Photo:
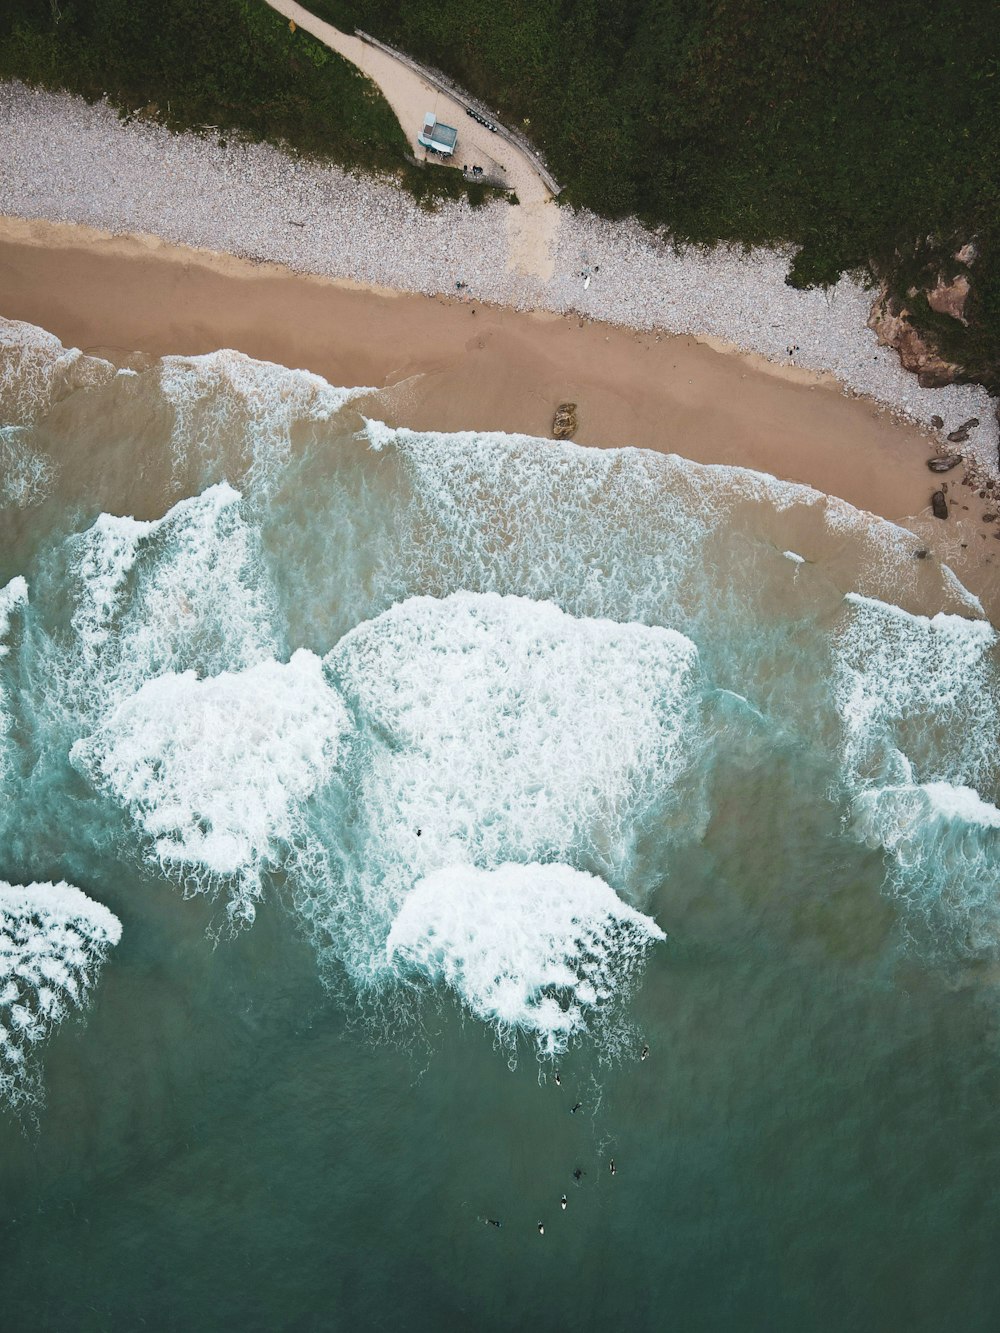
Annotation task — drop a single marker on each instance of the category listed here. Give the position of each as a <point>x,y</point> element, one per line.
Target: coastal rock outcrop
<point>889,319</point>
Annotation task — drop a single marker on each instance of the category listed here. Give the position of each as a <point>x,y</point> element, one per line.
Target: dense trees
<point>854,129</point>
<point>866,133</point>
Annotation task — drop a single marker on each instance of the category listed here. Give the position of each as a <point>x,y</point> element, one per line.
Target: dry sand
<point>450,365</point>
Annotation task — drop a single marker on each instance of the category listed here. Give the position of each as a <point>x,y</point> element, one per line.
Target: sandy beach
<point>446,364</point>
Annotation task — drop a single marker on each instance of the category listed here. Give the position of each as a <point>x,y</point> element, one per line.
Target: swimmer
<point>574,1109</point>
<point>418,832</point>
<point>579,1174</point>
<point>563,1202</point>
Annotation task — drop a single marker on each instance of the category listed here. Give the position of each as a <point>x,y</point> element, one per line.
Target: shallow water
<point>395,756</point>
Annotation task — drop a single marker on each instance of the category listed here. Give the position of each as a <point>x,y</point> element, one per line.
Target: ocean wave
<point>53,943</point>
<point>496,729</point>
<point>226,396</point>
<point>916,694</point>
<point>37,371</point>
<point>213,772</point>
<point>13,600</point>
<point>543,949</point>
<point>25,475</point>
<point>186,591</point>
<point>944,842</point>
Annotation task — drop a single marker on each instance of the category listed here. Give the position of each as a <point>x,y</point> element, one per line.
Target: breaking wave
<point>37,371</point>
<point>213,771</point>
<point>543,949</point>
<point>53,943</point>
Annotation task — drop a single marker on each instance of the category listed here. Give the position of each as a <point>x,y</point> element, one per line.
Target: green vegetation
<point>866,133</point>
<point>856,130</point>
<point>227,66</point>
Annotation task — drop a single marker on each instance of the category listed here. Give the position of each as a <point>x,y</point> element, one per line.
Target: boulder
<point>939,504</point>
<point>944,464</point>
<point>961,433</point>
<point>937,422</point>
<point>564,422</point>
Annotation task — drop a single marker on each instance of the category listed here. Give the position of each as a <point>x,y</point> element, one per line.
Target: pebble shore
<point>69,162</point>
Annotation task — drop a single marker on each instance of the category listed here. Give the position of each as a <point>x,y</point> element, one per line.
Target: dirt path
<point>533,224</point>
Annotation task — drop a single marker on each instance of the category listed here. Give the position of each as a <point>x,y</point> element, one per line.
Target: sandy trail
<point>533,222</point>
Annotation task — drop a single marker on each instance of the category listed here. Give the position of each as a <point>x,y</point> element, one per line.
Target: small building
<point>437,137</point>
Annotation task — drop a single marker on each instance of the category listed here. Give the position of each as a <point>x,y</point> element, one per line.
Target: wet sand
<point>448,364</point>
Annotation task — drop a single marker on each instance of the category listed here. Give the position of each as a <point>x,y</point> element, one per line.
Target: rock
<point>961,433</point>
<point>922,554</point>
<point>944,464</point>
<point>948,298</point>
<point>968,253</point>
<point>564,422</point>
<point>889,319</point>
<point>939,504</point>
<point>937,423</point>
<point>989,518</point>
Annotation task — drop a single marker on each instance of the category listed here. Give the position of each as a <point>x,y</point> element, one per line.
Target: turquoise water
<point>420,769</point>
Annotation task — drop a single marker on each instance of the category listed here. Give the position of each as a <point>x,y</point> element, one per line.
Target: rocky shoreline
<point>70,162</point>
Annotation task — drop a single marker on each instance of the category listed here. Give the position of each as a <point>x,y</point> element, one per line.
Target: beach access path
<point>534,220</point>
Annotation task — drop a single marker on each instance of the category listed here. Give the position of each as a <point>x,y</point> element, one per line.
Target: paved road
<point>532,225</point>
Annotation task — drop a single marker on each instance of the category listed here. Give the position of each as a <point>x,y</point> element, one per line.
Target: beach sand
<point>447,364</point>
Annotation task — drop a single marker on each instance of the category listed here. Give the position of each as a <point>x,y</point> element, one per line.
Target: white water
<point>213,771</point>
<point>53,942</point>
<point>539,948</point>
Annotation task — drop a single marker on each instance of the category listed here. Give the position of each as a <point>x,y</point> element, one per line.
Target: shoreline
<point>71,162</point>
<point>441,363</point>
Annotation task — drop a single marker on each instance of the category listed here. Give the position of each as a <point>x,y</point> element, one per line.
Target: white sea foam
<point>184,591</point>
<point>214,771</point>
<point>944,844</point>
<point>226,395</point>
<point>544,949</point>
<point>916,694</point>
<point>494,730</point>
<point>53,942</point>
<point>25,474</point>
<point>626,533</point>
<point>13,600</point>
<point>36,370</point>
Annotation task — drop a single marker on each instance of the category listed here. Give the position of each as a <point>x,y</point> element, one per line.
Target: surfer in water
<point>612,1166</point>
<point>573,1109</point>
<point>541,1228</point>
<point>563,1202</point>
<point>644,1053</point>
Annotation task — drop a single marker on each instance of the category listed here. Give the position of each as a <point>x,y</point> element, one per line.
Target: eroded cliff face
<point>892,319</point>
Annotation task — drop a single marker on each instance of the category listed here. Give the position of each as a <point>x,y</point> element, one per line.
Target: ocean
<point>467,881</point>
